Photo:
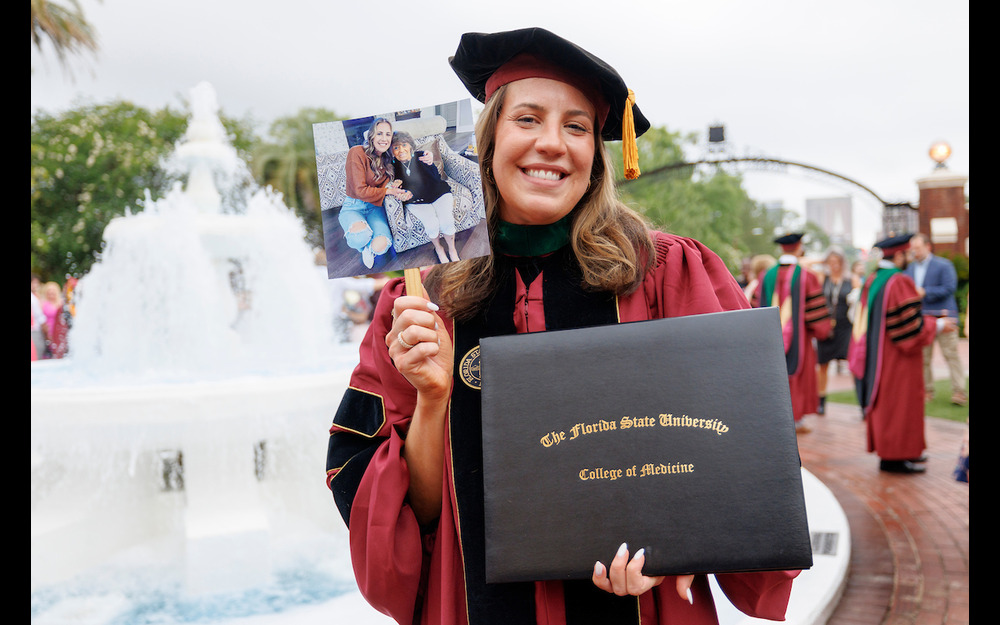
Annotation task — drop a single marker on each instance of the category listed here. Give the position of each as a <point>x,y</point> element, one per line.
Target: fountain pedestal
<point>226,529</point>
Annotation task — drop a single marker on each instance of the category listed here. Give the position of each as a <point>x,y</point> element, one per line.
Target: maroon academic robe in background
<point>804,318</point>
<point>431,573</point>
<point>886,355</point>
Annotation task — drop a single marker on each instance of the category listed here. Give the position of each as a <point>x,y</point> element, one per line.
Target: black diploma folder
<point>673,435</point>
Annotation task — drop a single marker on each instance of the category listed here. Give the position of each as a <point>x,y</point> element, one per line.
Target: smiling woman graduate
<point>405,451</point>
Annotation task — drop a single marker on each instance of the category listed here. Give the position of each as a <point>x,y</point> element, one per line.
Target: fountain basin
<point>105,475</point>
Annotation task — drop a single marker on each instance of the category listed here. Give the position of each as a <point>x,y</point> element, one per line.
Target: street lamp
<point>940,152</point>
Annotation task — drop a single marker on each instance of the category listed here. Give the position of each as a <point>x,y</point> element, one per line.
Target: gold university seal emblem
<point>469,369</point>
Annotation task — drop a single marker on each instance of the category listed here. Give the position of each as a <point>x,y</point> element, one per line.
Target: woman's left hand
<point>625,577</point>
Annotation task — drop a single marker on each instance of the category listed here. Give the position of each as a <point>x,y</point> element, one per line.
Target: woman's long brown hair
<point>381,164</point>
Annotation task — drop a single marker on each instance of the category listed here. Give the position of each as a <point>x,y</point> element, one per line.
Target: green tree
<point>759,226</point>
<point>705,202</point>
<point>287,162</point>
<point>90,164</point>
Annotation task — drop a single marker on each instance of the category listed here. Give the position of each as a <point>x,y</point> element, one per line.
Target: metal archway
<point>762,161</point>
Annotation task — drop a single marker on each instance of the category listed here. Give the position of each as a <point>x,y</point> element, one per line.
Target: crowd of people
<point>882,324</point>
<point>52,311</point>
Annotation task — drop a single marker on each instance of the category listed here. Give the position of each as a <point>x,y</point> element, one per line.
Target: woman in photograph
<point>405,451</point>
<point>369,180</point>
<point>430,199</point>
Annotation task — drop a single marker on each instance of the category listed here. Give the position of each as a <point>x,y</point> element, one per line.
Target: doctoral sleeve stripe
<point>902,315</point>
<point>352,444</point>
<point>904,308</point>
<point>817,313</point>
<point>360,412</point>
<point>342,447</point>
<point>902,331</point>
<point>896,338</point>
<point>345,479</point>
<point>904,321</point>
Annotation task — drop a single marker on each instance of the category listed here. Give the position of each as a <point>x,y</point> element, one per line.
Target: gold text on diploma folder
<point>627,423</point>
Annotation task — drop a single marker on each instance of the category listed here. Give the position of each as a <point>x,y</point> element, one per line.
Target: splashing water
<point>214,279</point>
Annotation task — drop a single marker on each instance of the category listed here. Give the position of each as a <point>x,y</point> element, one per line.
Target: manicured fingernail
<point>598,568</point>
<point>433,306</point>
<point>640,553</point>
<point>690,597</point>
<point>623,549</point>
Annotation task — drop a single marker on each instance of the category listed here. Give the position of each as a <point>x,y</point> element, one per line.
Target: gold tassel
<point>630,151</point>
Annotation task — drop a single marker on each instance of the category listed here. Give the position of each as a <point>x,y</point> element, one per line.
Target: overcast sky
<point>859,87</point>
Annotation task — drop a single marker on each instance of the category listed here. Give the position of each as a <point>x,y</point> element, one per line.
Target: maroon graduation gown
<point>804,317</point>
<point>886,356</point>
<point>435,575</point>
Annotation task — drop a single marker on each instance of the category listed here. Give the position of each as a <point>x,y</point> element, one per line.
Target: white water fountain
<point>184,439</point>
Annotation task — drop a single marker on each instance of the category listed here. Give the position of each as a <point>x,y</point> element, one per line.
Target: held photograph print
<point>400,190</point>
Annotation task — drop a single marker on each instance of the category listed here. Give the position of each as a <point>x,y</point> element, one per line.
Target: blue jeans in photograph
<point>354,211</point>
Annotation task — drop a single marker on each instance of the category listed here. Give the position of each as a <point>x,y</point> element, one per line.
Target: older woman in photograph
<point>405,455</point>
<point>429,197</point>
<point>369,180</point>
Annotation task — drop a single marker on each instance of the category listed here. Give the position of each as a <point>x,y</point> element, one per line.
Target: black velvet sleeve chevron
<point>353,442</point>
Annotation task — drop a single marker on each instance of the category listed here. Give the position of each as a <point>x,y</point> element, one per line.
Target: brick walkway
<point>909,533</point>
